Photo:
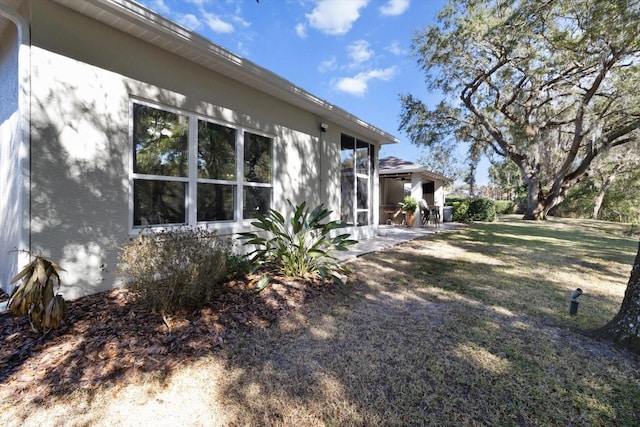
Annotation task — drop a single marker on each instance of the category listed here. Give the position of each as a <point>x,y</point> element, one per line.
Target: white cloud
<point>358,84</point>
<point>301,31</point>
<point>216,23</point>
<point>335,17</point>
<point>394,7</point>
<point>359,52</point>
<point>160,7</point>
<point>395,48</point>
<point>190,21</point>
<point>328,65</point>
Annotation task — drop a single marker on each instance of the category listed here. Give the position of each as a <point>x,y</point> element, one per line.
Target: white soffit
<point>4,21</point>
<point>140,22</point>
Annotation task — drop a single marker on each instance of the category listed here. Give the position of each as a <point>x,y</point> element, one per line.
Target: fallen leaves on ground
<point>109,339</point>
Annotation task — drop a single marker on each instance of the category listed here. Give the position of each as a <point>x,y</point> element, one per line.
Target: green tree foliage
<point>547,85</point>
<point>441,159</point>
<point>505,176</point>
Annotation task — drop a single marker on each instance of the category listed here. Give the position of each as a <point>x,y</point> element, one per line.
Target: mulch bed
<point>110,339</point>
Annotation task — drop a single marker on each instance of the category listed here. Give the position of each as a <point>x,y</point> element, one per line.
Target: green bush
<point>298,247</point>
<point>505,207</point>
<point>174,269</point>
<point>460,210</point>
<point>481,209</point>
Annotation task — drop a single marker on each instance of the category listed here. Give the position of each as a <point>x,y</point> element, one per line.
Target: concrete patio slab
<point>391,235</point>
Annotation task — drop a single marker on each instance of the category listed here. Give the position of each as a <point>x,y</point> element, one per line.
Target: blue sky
<point>353,53</point>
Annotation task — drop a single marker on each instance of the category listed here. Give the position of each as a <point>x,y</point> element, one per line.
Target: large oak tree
<point>625,326</point>
<point>548,84</point>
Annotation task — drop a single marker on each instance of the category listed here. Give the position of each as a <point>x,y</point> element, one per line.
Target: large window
<point>356,180</point>
<point>188,169</point>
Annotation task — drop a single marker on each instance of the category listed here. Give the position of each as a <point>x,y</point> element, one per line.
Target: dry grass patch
<point>464,328</point>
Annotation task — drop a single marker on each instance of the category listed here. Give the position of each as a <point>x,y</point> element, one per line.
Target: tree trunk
<point>625,326</point>
<point>534,210</point>
<point>597,202</point>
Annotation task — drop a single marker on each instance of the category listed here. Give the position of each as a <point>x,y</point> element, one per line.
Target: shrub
<point>174,269</point>
<point>481,209</point>
<point>460,210</point>
<point>409,204</point>
<point>505,207</point>
<point>299,248</point>
<point>35,295</point>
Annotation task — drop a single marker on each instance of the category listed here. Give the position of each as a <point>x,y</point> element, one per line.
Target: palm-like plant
<point>35,295</point>
<point>299,247</point>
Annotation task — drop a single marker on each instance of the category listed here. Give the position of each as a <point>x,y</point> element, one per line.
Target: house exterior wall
<point>9,155</point>
<point>84,77</point>
<point>14,155</point>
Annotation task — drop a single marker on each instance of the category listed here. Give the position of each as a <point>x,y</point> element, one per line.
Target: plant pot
<point>410,218</point>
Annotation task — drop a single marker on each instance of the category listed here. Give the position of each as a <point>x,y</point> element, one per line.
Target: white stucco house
<point>114,119</point>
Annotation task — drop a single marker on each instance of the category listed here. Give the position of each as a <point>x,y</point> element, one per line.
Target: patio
<point>392,235</point>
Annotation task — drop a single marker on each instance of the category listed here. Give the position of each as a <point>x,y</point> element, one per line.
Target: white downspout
<point>24,131</point>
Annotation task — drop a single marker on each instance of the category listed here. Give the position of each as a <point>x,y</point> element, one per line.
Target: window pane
<point>347,196</point>
<point>363,193</point>
<point>362,158</point>
<point>158,202</point>
<point>347,183</point>
<point>216,151</point>
<point>257,200</point>
<point>161,140</point>
<point>363,218</point>
<point>257,158</point>
<point>215,202</point>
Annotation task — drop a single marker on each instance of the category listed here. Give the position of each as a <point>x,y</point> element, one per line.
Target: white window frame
<point>192,180</point>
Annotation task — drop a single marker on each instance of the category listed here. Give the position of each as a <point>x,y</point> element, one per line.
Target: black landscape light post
<point>573,309</point>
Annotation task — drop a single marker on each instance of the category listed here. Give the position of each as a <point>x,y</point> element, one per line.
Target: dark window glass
<point>215,202</point>
<point>257,200</point>
<point>161,140</point>
<point>363,193</point>
<point>257,158</point>
<point>216,151</point>
<point>362,158</point>
<point>158,202</point>
<point>363,218</point>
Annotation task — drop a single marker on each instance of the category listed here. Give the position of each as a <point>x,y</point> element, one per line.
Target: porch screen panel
<point>347,178</point>
<point>363,169</point>
<point>356,177</point>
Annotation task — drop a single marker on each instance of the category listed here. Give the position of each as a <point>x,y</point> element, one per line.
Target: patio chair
<point>429,214</point>
<point>424,212</point>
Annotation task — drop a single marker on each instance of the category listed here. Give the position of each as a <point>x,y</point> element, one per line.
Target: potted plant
<point>409,206</point>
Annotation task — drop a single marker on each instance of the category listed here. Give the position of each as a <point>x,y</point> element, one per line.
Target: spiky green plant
<point>35,295</point>
<point>299,247</point>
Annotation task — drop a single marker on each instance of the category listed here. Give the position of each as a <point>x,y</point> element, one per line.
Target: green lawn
<point>469,327</point>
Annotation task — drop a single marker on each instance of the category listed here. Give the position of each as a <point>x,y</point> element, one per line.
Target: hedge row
<point>476,209</point>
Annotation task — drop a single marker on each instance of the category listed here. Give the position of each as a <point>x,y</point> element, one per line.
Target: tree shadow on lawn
<point>395,353</point>
<point>552,243</point>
